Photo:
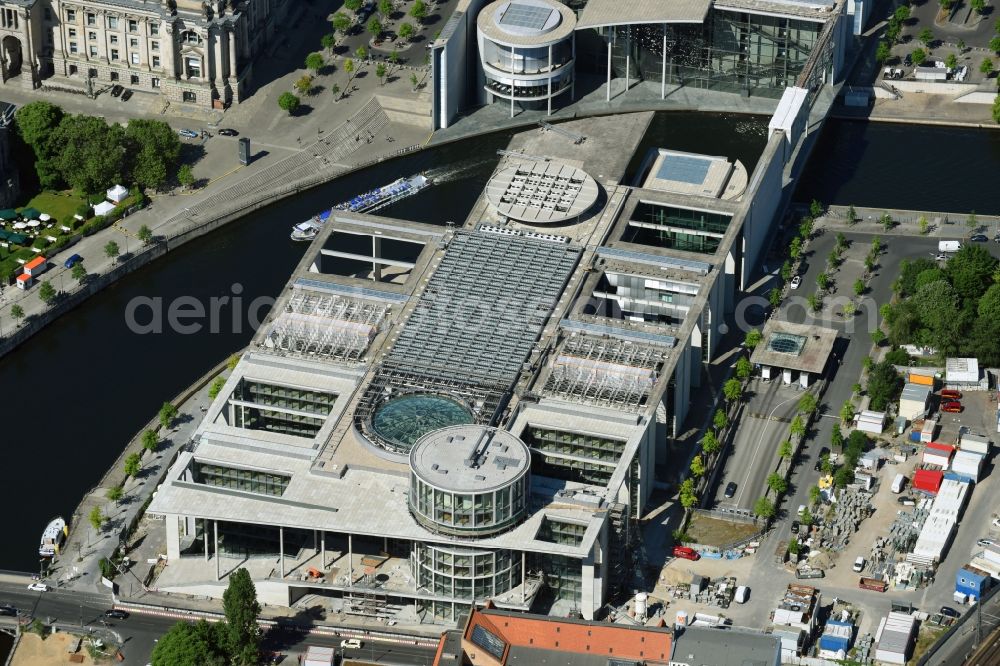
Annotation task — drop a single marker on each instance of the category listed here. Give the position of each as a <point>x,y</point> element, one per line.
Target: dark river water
<point>91,382</point>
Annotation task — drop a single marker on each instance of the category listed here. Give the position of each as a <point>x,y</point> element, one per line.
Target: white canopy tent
<point>117,193</point>
<point>103,208</point>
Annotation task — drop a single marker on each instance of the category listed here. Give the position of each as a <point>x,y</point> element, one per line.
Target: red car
<point>687,553</point>
<point>951,394</point>
<point>953,407</point>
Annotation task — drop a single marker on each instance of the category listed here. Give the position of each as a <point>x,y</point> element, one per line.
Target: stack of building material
<point>836,640</point>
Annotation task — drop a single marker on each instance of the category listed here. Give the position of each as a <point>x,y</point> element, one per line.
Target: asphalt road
<point>140,632</point>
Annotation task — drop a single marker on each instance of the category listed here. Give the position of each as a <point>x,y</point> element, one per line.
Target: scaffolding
<point>607,372</point>
<point>326,326</point>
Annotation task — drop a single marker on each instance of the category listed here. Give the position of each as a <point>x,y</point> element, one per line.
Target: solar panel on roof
<point>526,16</point>
<point>486,640</point>
<point>683,169</point>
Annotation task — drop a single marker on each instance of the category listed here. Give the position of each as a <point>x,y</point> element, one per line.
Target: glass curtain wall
<point>463,574</point>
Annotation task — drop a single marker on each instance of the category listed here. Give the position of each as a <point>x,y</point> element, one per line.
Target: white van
<point>859,564</point>
<point>898,484</point>
<point>949,246</point>
<point>742,594</point>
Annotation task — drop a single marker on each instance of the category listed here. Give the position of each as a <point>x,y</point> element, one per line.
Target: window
<point>72,47</point>
<point>154,28</point>
<point>190,37</point>
<point>114,39</point>
<point>92,35</point>
<point>114,54</point>
<point>190,96</point>
<point>71,33</point>
<point>154,45</point>
<point>133,43</point>
<point>71,16</point>
<point>155,82</point>
<point>134,58</point>
<point>193,67</point>
<point>156,61</point>
<point>91,19</point>
<point>113,22</point>
<point>133,25</point>
<point>114,76</point>
<point>134,79</point>
<point>72,70</point>
<point>92,73</point>
<point>93,52</point>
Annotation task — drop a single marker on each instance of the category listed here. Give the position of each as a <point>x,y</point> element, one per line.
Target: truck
<point>898,483</point>
<point>949,246</point>
<point>876,584</point>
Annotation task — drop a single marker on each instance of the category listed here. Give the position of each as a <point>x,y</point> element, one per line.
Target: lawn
<point>710,531</point>
<point>60,205</point>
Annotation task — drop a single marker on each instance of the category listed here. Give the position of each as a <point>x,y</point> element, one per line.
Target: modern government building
<point>544,54</point>
<point>437,415</point>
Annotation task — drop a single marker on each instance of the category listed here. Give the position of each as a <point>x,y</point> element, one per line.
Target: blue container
<point>914,436</point>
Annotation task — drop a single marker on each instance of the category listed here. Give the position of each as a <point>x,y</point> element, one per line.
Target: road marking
<point>757,450</point>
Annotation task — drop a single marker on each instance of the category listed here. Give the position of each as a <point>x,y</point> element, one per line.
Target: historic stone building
<point>185,50</point>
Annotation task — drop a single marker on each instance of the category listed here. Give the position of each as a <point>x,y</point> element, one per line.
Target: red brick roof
<point>598,638</point>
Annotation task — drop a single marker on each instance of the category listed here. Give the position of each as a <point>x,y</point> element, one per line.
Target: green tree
<point>335,91</point>
<point>806,518</point>
<point>36,125</point>
<point>153,150</point>
<point>353,5</point>
<point>960,46</point>
<point>777,483</point>
<point>167,414</point>
<point>843,476</point>
<point>806,228</point>
<point>303,85</point>
<point>418,10</point>
<point>329,40</point>
<point>836,436</point>
<point>743,368</point>
<point>16,312</point>
<point>786,270</point>
<point>813,301</point>
<point>815,209</point>
<point>951,62</point>
<point>833,259</point>
<point>361,53</point>
<point>753,338</point>
<point>374,27</point>
<point>849,309</point>
<point>763,508</point>
<point>233,361</point>
<point>414,81</point>
<point>239,602</point>
<point>732,390</point>
<point>902,13</point>
<point>385,8</point>
<point>841,241</point>
<point>187,644</point>
<point>795,249</point>
<point>405,31</point>
<point>774,297</point>
<point>986,66</point>
<point>882,52</point>
<point>822,281</point>
<point>688,496</point>
<point>785,450</point>
<point>380,73</point>
<point>856,390</point>
<point>710,444</point>
<point>92,153</point>
<point>925,37</point>
<point>886,220</point>
<point>814,495</point>
<point>995,45</point>
<point>145,234</point>
<point>115,494</point>
<point>807,403</point>
<point>852,215</point>
<point>859,287</point>
<point>79,271</point>
<point>97,518</point>
<point>847,411</point>
<point>697,467</point>
<point>133,463</point>
<point>884,384</point>
<point>923,225</point>
<point>185,175</point>
<point>216,388</point>
<point>797,427</point>
<point>720,420</point>
<point>111,250</point>
<point>878,337</point>
<point>349,68</point>
<point>341,23</point>
<point>315,62</point>
<point>288,102</point>
<point>150,440</point>
<point>979,6</point>
<point>47,293</point>
<point>794,548</point>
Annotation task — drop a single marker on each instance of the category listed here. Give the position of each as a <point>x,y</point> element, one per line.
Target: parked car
<point>978,238</point>
<point>225,131</point>
<point>127,95</point>
<point>191,134</point>
<point>859,564</point>
<point>742,594</point>
<point>730,490</point>
<point>996,239</point>
<point>72,261</point>
<point>8,610</point>
<point>951,394</point>
<point>906,500</point>
<point>982,543</point>
<point>802,509</point>
<point>116,90</point>
<point>948,611</point>
<point>687,553</point>
<point>116,614</point>
<point>796,282</point>
<point>38,587</point>
<point>351,644</point>
<point>795,527</point>
<point>953,407</point>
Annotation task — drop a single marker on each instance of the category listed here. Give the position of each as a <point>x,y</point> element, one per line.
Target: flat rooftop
<point>799,347</point>
<point>613,12</point>
<point>688,173</point>
<point>469,458</point>
<point>526,22</point>
<point>541,192</point>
